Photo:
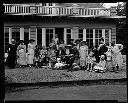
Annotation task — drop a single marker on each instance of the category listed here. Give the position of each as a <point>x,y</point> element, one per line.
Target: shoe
<point>117,71</point>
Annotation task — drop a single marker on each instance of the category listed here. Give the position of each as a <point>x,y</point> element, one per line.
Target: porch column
<point>10,35</point>
<point>109,37</point>
<point>84,34</point>
<point>43,36</point>
<point>21,33</point>
<point>94,37</point>
<point>103,34</point>
<point>65,36</point>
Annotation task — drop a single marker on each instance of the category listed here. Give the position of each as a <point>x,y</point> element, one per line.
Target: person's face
<point>101,42</point>
<point>56,35</point>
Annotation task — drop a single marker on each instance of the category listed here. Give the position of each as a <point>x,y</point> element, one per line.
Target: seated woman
<point>101,66</point>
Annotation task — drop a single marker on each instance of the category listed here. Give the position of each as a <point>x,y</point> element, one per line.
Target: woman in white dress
<point>117,59</point>
<point>21,53</point>
<point>31,48</point>
<point>83,53</point>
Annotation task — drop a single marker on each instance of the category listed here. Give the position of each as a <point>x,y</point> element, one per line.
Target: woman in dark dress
<point>11,59</point>
<point>102,49</point>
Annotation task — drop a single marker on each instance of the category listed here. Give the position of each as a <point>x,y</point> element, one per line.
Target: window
<point>16,34</point>
<point>6,39</point>
<point>49,36</point>
<point>80,34</point>
<point>107,36</point>
<point>26,36</point>
<point>39,36</point>
<point>68,33</point>
<point>89,37</point>
<point>98,35</point>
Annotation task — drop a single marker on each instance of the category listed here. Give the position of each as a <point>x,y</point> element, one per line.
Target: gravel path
<point>32,75</point>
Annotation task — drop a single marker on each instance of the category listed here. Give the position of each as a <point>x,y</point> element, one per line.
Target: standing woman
<point>52,54</point>
<point>102,49</point>
<point>11,59</point>
<point>31,49</point>
<point>21,53</point>
<point>56,39</point>
<point>83,53</point>
<point>117,59</point>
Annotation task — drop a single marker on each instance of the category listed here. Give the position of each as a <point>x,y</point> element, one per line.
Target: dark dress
<point>102,51</point>
<point>11,59</point>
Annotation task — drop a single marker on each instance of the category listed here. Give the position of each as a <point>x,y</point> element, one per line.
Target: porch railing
<point>17,9</point>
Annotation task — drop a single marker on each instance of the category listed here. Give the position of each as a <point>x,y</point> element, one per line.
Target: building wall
<point>64,22</point>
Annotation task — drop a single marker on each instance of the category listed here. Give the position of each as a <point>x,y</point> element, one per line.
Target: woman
<point>21,53</point>
<point>11,59</point>
<point>56,40</point>
<point>31,48</point>
<point>52,53</point>
<point>102,49</point>
<point>83,53</point>
<point>117,59</point>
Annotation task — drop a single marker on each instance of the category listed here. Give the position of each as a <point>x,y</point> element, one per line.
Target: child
<point>43,53</point>
<point>58,65</point>
<point>101,66</point>
<point>109,59</point>
<point>91,61</point>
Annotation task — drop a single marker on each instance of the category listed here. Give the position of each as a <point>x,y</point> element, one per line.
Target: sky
<point>108,5</point>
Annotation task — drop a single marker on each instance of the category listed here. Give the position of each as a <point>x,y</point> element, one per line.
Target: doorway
<point>60,32</point>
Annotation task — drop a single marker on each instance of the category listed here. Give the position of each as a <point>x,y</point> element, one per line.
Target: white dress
<point>31,48</point>
<point>83,55</point>
<point>117,58</point>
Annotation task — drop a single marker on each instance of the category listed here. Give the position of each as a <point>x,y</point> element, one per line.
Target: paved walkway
<point>33,75</point>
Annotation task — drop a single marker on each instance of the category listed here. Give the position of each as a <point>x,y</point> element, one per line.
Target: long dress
<point>31,48</point>
<point>83,52</point>
<point>11,59</point>
<point>21,52</point>
<point>117,58</point>
<point>109,59</point>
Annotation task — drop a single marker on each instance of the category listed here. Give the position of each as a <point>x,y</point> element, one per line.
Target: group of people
<point>75,55</point>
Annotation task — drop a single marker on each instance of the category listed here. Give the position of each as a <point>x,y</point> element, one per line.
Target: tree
<point>121,25</point>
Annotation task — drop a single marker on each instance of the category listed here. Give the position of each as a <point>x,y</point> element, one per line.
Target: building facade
<point>87,21</point>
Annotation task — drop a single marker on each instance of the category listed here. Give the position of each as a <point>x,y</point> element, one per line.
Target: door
<point>60,32</point>
<point>50,32</point>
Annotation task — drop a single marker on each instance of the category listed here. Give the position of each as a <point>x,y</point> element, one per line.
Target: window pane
<point>68,30</point>
<point>80,30</point>
<point>91,35</point>
<point>80,35</point>
<point>39,30</point>
<point>47,30</point>
<point>68,35</point>
<point>51,30</point>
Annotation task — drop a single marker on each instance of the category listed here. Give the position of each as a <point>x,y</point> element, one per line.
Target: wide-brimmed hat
<point>62,40</point>
<point>21,41</point>
<point>77,40</point>
<point>83,42</point>
<point>71,39</point>
<point>68,46</point>
<point>31,40</point>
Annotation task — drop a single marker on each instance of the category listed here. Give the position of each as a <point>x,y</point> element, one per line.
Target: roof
<point>86,5</point>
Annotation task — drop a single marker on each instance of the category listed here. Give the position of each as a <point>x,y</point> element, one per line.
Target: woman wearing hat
<point>11,59</point>
<point>83,53</point>
<point>21,53</point>
<point>52,53</point>
<point>117,59</point>
<point>31,49</point>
